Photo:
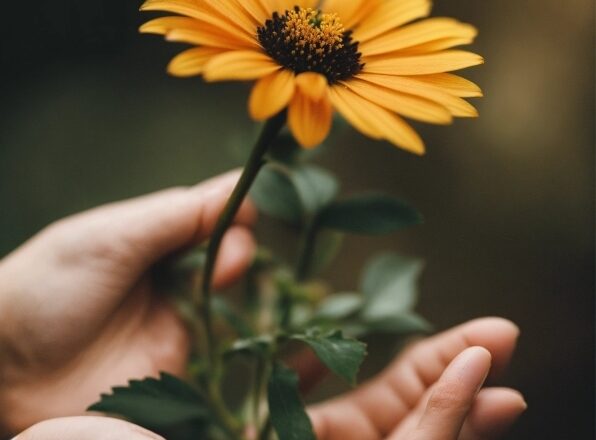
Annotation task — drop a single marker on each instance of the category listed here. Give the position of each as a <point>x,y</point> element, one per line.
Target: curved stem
<point>249,174</point>
<point>203,301</point>
<point>307,250</point>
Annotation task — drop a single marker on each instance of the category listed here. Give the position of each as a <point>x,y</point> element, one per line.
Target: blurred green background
<point>89,116</point>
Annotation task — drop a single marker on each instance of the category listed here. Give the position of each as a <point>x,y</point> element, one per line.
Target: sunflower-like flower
<point>373,61</point>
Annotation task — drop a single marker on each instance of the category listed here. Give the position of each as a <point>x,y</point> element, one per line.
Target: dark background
<point>88,115</point>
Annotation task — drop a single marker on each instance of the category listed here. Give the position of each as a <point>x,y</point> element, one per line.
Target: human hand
<point>432,391</point>
<point>86,428</point>
<point>78,310</point>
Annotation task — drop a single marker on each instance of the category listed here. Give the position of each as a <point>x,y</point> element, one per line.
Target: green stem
<point>203,302</point>
<point>303,266</point>
<point>249,174</point>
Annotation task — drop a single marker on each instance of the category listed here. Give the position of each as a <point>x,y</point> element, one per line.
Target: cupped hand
<point>78,310</point>
<point>433,391</point>
<point>86,428</point>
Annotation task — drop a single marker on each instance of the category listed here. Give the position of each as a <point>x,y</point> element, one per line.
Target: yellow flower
<point>363,58</point>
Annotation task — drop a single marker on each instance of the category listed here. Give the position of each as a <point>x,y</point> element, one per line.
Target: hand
<point>86,428</point>
<point>78,310</point>
<point>432,391</point>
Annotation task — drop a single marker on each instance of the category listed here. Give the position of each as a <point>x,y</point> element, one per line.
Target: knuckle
<point>446,397</point>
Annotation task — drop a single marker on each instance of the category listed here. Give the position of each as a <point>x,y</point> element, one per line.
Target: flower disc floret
<point>308,40</point>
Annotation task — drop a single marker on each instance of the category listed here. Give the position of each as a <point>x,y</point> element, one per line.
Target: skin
<point>90,273</point>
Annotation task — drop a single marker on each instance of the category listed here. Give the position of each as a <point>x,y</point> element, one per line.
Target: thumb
<point>86,428</point>
<point>136,233</point>
<point>452,397</point>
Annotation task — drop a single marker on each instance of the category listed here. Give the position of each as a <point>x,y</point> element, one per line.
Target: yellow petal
<point>202,12</point>
<point>423,64</point>
<point>271,94</point>
<point>191,62</point>
<point>417,34</point>
<point>309,121</point>
<point>256,9</point>
<point>239,65</point>
<point>390,14</point>
<point>314,85</point>
<point>419,87</point>
<point>374,120</point>
<point>350,12</point>
<point>436,46</point>
<point>192,31</point>
<point>237,14</point>
<point>454,84</point>
<point>410,106</point>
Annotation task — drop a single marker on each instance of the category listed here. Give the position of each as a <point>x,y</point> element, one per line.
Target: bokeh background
<point>88,116</point>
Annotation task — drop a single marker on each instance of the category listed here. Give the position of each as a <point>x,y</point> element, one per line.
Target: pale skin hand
<point>78,311</point>
<point>89,273</point>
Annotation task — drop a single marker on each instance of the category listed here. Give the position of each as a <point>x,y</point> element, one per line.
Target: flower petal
<point>191,62</point>
<point>423,64</point>
<point>314,85</point>
<point>454,84</point>
<point>350,12</point>
<point>419,87</point>
<point>410,106</point>
<point>375,121</point>
<point>309,121</point>
<point>239,65</point>
<point>203,12</point>
<point>192,31</point>
<point>271,94</point>
<point>389,15</point>
<point>417,34</point>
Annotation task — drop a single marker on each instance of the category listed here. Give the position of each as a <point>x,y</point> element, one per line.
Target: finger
<point>493,413</point>
<point>387,399</point>
<point>86,428</point>
<point>136,233</point>
<point>237,252</point>
<point>452,396</point>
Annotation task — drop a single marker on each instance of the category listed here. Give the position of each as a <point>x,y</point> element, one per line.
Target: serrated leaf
<point>288,415</point>
<point>339,306</point>
<point>390,286</point>
<point>275,195</point>
<point>316,187</point>
<point>162,405</point>
<point>343,356</point>
<point>369,214</point>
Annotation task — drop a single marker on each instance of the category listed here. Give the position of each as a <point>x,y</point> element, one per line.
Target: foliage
<point>284,304</point>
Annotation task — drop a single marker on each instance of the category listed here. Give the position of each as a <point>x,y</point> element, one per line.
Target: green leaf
<point>161,405</point>
<point>327,247</point>
<point>342,355</point>
<point>274,194</point>
<point>369,214</point>
<point>259,345</point>
<point>390,286</point>
<point>226,310</point>
<point>315,186</point>
<point>286,408</point>
<point>402,324</point>
<point>340,306</point>
<point>287,151</point>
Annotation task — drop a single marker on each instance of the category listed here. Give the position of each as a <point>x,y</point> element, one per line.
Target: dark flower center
<point>307,40</point>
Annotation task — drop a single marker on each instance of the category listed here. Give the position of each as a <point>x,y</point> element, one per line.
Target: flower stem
<point>203,302</point>
<point>307,250</point>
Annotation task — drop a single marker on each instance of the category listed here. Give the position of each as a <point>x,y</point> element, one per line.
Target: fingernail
<point>472,366</point>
